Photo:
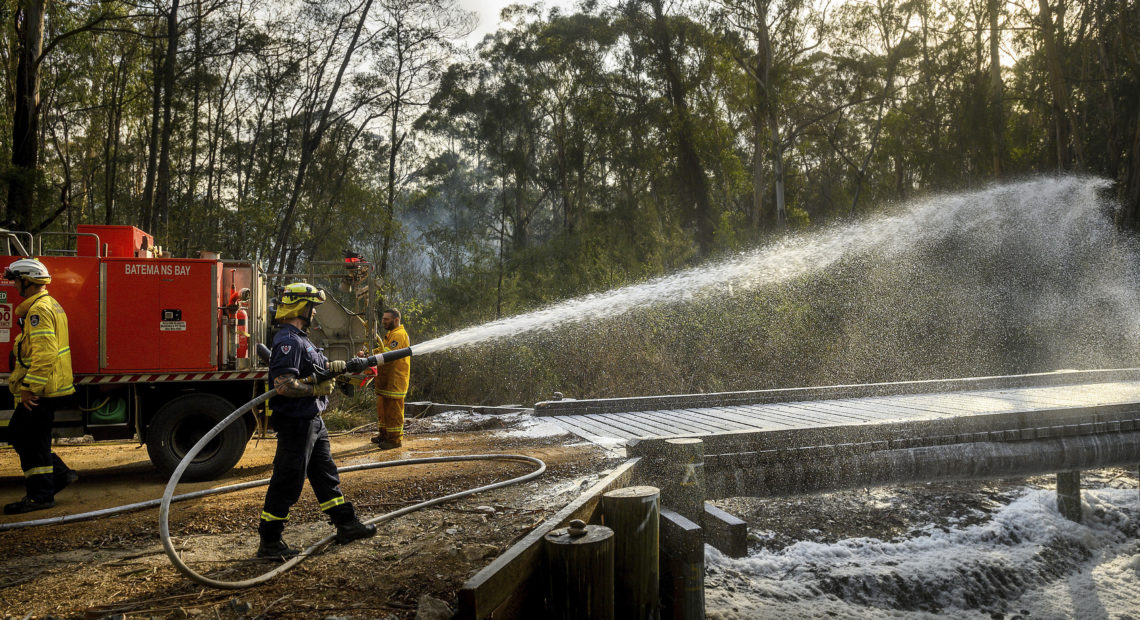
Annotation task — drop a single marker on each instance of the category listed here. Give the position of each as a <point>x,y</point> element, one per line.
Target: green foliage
<point>350,412</point>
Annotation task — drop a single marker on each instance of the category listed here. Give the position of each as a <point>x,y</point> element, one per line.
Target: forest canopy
<point>569,151</point>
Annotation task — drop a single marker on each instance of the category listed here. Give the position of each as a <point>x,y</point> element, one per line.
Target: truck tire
<point>180,423</point>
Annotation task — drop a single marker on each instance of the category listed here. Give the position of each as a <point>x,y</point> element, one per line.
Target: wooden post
<point>682,568</point>
<point>677,466</point>
<point>1069,495</point>
<point>514,585</point>
<point>580,572</point>
<point>682,467</point>
<point>633,513</point>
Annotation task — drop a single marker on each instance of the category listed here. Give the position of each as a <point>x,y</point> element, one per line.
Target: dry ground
<point>116,565</point>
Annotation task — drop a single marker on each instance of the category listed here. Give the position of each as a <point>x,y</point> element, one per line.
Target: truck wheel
<point>180,423</point>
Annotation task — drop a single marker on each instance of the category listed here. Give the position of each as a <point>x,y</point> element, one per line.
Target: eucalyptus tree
<point>495,105</point>
<point>994,12</point>
<point>331,54</point>
<point>775,44</point>
<point>30,52</point>
<point>874,43</point>
<point>412,50</point>
<point>159,211</point>
<point>565,62</point>
<point>661,37</point>
<point>1068,139</point>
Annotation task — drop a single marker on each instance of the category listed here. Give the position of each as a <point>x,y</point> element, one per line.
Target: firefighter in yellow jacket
<point>40,382</point>
<point>392,383</point>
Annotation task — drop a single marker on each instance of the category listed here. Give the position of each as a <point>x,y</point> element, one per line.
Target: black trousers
<point>29,432</point>
<point>303,451</point>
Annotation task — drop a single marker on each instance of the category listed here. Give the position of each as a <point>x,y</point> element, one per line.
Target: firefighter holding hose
<point>303,449</point>
<point>40,382</point>
<point>391,383</point>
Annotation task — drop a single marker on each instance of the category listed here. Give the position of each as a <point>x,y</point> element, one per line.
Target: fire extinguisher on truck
<point>160,346</point>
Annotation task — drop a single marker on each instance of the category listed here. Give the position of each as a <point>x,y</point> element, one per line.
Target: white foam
<point>1025,558</point>
<point>520,425</point>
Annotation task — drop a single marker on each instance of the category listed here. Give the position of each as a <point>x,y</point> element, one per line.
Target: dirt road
<point>116,566</point>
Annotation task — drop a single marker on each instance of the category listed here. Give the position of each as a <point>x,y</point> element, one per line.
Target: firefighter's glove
<point>357,364</point>
<point>338,367</point>
<point>324,388</point>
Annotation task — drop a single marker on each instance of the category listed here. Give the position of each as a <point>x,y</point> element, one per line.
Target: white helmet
<point>28,269</point>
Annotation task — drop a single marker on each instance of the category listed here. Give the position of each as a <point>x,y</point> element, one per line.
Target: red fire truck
<point>158,348</point>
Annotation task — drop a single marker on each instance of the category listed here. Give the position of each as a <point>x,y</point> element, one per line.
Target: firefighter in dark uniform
<point>41,383</point>
<point>302,439</point>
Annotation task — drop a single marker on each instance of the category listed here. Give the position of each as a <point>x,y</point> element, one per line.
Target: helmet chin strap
<point>307,315</point>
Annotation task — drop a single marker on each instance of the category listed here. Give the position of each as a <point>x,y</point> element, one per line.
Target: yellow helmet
<point>294,298</point>
<point>28,269</point>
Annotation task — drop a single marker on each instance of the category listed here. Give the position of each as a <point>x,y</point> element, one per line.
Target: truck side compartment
<point>163,348</point>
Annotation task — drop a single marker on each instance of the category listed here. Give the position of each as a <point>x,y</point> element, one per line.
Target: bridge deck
<point>619,427</point>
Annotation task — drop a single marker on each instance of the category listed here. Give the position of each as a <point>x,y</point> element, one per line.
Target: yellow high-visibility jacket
<point>43,351</point>
<point>392,378</point>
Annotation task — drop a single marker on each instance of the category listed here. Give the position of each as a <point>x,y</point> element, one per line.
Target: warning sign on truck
<point>172,320</point>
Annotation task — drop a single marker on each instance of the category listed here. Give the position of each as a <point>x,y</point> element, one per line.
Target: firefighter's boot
<point>391,440</point>
<point>389,443</point>
<point>272,547</point>
<point>353,530</point>
<point>275,550</point>
<point>348,527</point>
<point>27,504</point>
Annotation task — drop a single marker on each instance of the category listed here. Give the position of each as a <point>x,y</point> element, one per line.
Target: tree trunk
<point>310,143</point>
<point>29,20</point>
<point>900,176</point>
<point>778,167</point>
<point>767,89</point>
<point>997,124</point>
<point>1131,188</point>
<point>161,211</point>
<point>502,246</point>
<point>395,141</point>
<point>1069,151</point>
<point>757,175</point>
<point>694,181</point>
<point>110,144</point>
<point>147,211</point>
<point>192,180</point>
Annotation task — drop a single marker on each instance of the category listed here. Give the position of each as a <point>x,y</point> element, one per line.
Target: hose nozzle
<point>358,364</point>
<point>355,364</point>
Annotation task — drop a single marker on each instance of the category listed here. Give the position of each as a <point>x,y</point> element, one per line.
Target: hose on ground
<point>168,497</point>
<point>164,506</point>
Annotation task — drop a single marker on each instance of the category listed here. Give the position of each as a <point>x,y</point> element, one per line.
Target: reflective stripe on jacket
<point>43,352</point>
<point>392,378</point>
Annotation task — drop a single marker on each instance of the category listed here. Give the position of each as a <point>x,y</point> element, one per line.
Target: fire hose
<point>354,365</point>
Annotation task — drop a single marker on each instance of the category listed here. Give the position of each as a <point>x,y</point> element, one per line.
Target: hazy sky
<point>488,12</point>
